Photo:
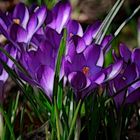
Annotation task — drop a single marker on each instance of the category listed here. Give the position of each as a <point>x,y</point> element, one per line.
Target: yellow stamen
<point>17,21</point>
<point>85,70</point>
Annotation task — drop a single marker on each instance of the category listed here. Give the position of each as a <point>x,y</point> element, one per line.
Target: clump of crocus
<point>37,34</point>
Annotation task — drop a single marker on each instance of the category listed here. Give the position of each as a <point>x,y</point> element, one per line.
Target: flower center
<point>85,70</point>
<point>17,21</point>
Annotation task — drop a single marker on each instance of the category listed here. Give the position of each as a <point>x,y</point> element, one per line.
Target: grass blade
<point>74,120</point>
<point>107,21</point>
<point>7,121</point>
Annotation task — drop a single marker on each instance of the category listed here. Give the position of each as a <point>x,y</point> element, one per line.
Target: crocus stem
<point>117,135</point>
<point>58,123</point>
<point>78,128</point>
<point>74,120</point>
<point>118,130</point>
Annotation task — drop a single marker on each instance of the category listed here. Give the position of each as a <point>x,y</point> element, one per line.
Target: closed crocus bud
<point>59,16</point>
<point>41,62</point>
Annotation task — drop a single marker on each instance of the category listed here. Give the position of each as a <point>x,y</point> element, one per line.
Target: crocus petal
<point>61,20</point>
<point>53,37</point>
<point>49,19</point>
<point>41,14</point>
<point>79,44</point>
<point>115,85</point>
<point>2,25</point>
<point>3,28</point>
<point>61,13</point>
<point>13,32</point>
<point>136,58</point>
<point>21,12</point>
<point>93,55</point>
<point>77,80</point>
<point>74,63</point>
<point>4,21</point>
<point>119,99</point>
<point>45,76</point>
<point>30,61</point>
<point>17,33</point>
<point>100,60</point>
<point>90,32</point>
<point>31,27</point>
<point>4,76</point>
<point>13,52</point>
<point>125,52</point>
<point>133,97</point>
<point>114,70</point>
<point>74,28</point>
<point>134,87</point>
<point>22,35</point>
<point>46,51</point>
<point>99,80</point>
<point>105,42</point>
<point>130,73</point>
<point>115,57</point>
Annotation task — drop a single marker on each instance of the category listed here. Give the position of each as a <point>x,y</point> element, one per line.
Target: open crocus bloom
<point>39,43</point>
<point>83,67</point>
<point>21,25</point>
<point>126,79</point>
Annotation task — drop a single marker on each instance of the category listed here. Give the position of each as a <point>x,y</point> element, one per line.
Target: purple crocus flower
<point>124,87</point>
<point>40,63</point>
<point>21,25</point>
<point>3,74</point>
<point>83,67</point>
<point>74,28</point>
<point>40,66</point>
<point>59,16</point>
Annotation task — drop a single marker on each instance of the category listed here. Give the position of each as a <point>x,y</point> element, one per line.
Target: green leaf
<point>95,121</point>
<point>60,95</point>
<point>22,86</point>
<point>14,109</point>
<point>7,121</point>
<point>126,21</point>
<point>61,52</point>
<point>58,123</point>
<point>45,101</point>
<point>13,60</point>
<point>74,120</point>
<point>123,25</point>
<point>107,21</point>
